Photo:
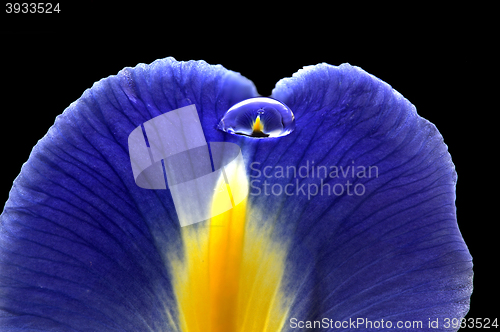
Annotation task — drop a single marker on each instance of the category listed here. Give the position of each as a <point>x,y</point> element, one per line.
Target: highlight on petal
<point>349,216</point>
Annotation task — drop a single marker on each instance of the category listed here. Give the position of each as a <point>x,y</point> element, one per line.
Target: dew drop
<point>258,117</point>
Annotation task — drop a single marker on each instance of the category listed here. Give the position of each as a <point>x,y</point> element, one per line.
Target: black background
<point>438,60</point>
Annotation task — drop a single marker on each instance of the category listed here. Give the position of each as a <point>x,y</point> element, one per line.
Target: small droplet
<point>258,117</point>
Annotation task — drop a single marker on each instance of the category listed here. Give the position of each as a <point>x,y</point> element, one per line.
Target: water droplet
<point>258,117</point>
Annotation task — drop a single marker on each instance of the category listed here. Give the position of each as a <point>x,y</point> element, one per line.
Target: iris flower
<point>84,248</point>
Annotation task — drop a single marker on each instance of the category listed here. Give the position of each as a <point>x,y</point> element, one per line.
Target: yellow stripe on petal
<point>230,276</point>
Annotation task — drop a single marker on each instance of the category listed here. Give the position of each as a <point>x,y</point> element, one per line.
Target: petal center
<point>231,274</point>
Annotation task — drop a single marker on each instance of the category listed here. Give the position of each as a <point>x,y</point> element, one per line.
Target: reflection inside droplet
<point>258,117</point>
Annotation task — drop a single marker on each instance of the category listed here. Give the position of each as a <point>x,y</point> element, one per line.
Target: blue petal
<point>393,252</point>
<point>82,247</point>
<point>81,244</point>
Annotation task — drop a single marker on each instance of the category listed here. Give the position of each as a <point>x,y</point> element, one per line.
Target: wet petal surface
<point>258,117</point>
